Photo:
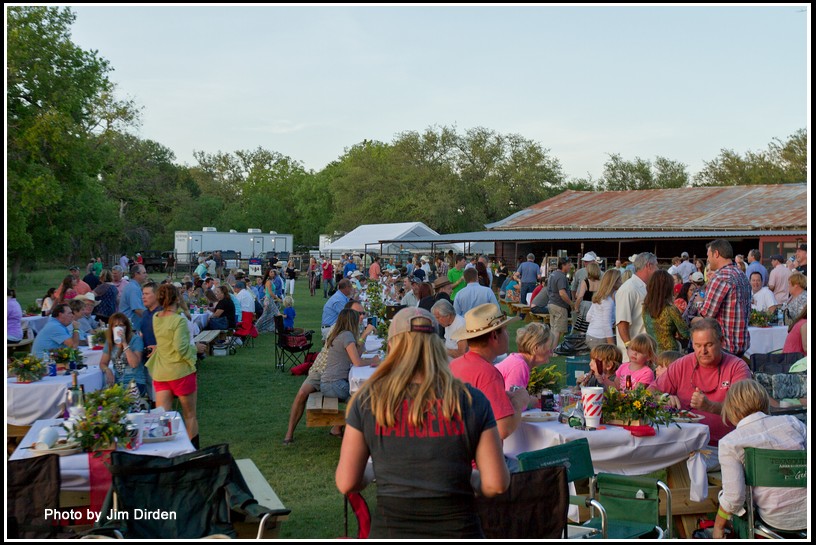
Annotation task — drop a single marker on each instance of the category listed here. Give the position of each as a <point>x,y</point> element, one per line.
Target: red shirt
<point>685,374</point>
<point>328,271</point>
<point>480,373</point>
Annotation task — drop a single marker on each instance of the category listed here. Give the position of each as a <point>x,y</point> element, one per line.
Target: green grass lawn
<point>244,401</point>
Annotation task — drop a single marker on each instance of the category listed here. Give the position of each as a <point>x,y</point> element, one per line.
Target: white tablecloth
<point>26,403</point>
<point>74,469</point>
<point>766,339</point>
<point>616,450</point>
<point>90,357</point>
<point>358,375</point>
<point>201,319</point>
<point>35,323</point>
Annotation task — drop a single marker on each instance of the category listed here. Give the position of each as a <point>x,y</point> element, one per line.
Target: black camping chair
<point>533,507</point>
<point>33,485</point>
<point>204,489</point>
<point>774,362</point>
<point>290,346</point>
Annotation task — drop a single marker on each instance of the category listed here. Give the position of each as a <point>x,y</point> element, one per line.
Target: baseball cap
<point>412,319</point>
<point>697,277</point>
<point>777,257</point>
<point>589,256</point>
<point>803,247</point>
<point>684,254</point>
<point>73,268</point>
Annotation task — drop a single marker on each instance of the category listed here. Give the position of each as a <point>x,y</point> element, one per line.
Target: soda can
<point>72,365</point>
<point>166,426</point>
<point>52,369</point>
<point>132,435</point>
<point>547,400</point>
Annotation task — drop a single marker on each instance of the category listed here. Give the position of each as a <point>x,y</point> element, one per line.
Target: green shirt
<point>454,275</point>
<point>174,357</point>
<point>97,268</point>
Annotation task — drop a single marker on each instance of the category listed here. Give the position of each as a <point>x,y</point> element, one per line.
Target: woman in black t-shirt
<point>224,314</point>
<point>413,413</point>
<point>291,275</point>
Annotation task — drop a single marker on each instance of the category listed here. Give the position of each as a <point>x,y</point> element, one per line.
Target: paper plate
<point>688,417</point>
<point>543,416</point>
<point>159,439</point>
<point>60,449</point>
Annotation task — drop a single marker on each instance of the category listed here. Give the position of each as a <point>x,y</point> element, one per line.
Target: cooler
<point>576,366</point>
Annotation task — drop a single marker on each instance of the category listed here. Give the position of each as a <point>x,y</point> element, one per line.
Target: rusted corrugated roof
<point>742,208</point>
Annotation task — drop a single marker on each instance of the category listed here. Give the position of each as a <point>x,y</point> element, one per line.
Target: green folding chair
<point>776,468</point>
<point>628,506</point>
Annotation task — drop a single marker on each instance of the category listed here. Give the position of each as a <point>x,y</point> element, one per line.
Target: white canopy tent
<point>366,239</point>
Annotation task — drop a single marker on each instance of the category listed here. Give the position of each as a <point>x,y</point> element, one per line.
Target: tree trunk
<point>15,271</point>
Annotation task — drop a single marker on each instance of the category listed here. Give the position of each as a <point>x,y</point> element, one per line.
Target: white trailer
<point>253,243</point>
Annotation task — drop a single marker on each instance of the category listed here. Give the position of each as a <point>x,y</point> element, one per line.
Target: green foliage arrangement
<point>544,377</point>
<point>33,309</point>
<point>758,318</point>
<point>104,421</point>
<point>639,404</point>
<point>66,354</point>
<point>99,337</point>
<point>376,307</point>
<point>27,368</point>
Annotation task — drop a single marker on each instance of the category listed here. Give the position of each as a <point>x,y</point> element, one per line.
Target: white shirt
<point>783,508</point>
<point>458,323</point>
<point>763,300</point>
<point>246,300</point>
<point>601,318</point>
<point>629,308</point>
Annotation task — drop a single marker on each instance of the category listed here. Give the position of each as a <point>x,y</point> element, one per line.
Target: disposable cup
<point>118,333</point>
<point>592,398</point>
<point>47,438</point>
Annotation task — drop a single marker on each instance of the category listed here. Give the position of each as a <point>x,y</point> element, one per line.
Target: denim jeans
<point>336,388</point>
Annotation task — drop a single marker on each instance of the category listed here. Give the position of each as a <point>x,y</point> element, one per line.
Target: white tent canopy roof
<point>400,235</point>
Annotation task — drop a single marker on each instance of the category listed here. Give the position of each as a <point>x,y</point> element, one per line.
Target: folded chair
<point>290,346</point>
<point>533,507</point>
<point>32,486</point>
<point>777,468</point>
<point>360,508</point>
<point>628,505</point>
<point>203,489</point>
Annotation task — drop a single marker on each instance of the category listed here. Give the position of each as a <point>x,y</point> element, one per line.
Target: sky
<point>583,81</point>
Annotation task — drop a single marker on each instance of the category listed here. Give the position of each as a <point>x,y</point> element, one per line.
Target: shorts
<point>183,386</point>
<point>336,388</point>
<point>313,381</point>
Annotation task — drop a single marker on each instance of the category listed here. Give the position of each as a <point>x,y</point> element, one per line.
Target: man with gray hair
<point>130,303</point>
<point>119,281</point>
<point>448,319</point>
<point>530,273</point>
<point>629,301</point>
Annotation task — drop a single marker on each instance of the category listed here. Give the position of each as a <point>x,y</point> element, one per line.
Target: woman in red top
<point>796,341</point>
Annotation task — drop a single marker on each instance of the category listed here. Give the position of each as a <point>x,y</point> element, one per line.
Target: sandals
<point>339,435</point>
<point>287,442</point>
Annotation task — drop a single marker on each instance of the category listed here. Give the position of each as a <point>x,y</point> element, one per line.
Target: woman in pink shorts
<point>172,364</point>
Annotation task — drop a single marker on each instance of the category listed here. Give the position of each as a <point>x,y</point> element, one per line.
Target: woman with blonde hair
<point>587,289</point>
<point>535,344</point>
<point>601,314</point>
<point>413,413</point>
<point>173,363</point>
<point>746,407</point>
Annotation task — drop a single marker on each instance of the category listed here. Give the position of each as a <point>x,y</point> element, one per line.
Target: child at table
<point>288,313</point>
<point>664,359</point>
<point>604,361</point>
<point>642,351</point>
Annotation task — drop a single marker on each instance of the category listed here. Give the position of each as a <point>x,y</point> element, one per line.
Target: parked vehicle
<point>189,244</point>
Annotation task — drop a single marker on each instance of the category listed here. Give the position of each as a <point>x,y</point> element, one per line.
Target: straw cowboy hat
<point>482,319</point>
<point>441,282</point>
<point>88,298</point>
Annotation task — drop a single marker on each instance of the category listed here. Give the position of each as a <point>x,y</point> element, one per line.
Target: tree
<point>59,100</point>
<point>622,175</point>
<point>781,163</point>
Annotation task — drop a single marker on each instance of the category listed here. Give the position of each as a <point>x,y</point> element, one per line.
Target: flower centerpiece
<point>103,423</point>
<point>757,318</point>
<point>27,368</point>
<point>33,310</point>
<point>544,377</point>
<point>66,354</point>
<point>99,337</point>
<point>636,407</point>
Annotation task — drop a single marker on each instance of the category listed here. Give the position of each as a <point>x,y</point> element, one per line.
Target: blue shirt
<point>277,284</point>
<point>131,301</point>
<point>121,369</point>
<point>52,336</point>
<point>756,266</point>
<point>288,318</point>
<point>237,305</point>
<point>529,272</point>
<point>471,296</point>
<point>146,328</point>
<point>332,308</point>
<point>349,267</point>
<point>259,292</point>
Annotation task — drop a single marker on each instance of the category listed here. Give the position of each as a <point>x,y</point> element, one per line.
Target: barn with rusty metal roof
<point>667,222</point>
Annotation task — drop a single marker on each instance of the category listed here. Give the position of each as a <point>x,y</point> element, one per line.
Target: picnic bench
<point>207,337</point>
<point>263,493</point>
<point>323,411</point>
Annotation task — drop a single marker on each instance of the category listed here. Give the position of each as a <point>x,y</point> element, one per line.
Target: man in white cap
<point>686,267</point>
<point>581,274</point>
<point>486,334</point>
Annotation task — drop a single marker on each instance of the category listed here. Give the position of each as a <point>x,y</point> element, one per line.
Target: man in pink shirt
<point>700,381</point>
<point>374,270</point>
<point>486,333</point>
<point>778,279</point>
